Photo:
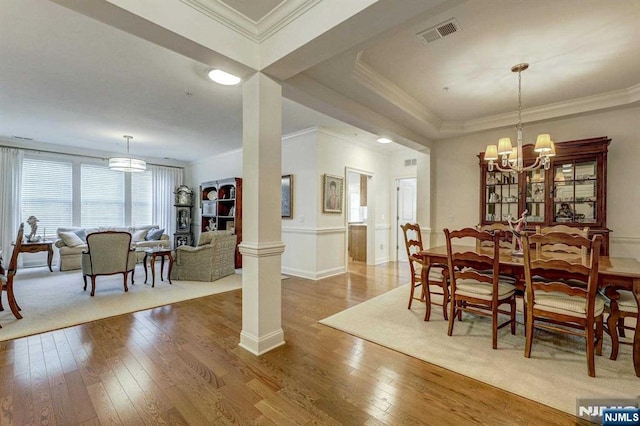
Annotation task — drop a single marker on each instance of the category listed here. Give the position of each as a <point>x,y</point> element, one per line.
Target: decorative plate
<point>212,195</point>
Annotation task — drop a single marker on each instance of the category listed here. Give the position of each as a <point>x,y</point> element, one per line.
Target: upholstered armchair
<point>108,253</point>
<point>212,259</point>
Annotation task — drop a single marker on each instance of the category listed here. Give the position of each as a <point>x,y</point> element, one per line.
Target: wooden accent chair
<point>476,285</point>
<point>561,290</point>
<point>6,276</point>
<point>434,274</point>
<point>622,305</point>
<point>108,253</point>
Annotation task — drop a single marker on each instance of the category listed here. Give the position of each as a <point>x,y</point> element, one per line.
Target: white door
<point>406,207</point>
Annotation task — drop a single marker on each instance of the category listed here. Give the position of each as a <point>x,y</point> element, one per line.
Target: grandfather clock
<point>183,204</point>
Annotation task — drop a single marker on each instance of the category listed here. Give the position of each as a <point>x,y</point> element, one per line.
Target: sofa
<point>72,241</point>
<point>212,259</point>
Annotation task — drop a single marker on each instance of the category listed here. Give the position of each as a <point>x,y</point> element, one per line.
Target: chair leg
<point>125,276</point>
<point>93,285</point>
<point>621,327</point>
<point>413,291</point>
<point>84,277</point>
<point>452,316</point>
<point>494,326</point>
<point>427,300</point>
<point>612,325</point>
<point>528,334</point>
<point>591,362</point>
<point>513,315</point>
<point>133,271</point>
<point>599,334</point>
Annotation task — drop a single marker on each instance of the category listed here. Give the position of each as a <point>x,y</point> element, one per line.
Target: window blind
<point>102,196</point>
<point>47,194</point>
<point>141,198</point>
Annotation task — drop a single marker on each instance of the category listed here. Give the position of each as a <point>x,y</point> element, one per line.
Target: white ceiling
<point>71,80</point>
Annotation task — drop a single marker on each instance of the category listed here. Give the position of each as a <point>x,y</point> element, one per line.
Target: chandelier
<point>127,164</point>
<point>512,159</point>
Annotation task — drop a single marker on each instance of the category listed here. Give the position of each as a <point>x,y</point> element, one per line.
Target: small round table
<point>161,252</point>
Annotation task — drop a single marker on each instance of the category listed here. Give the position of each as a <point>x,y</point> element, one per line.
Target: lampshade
<point>552,153</point>
<point>543,143</point>
<point>127,164</point>
<point>504,146</point>
<point>491,153</point>
<point>513,155</point>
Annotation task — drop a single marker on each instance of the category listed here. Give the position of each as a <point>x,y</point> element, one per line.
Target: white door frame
<point>398,235</point>
<point>371,219</point>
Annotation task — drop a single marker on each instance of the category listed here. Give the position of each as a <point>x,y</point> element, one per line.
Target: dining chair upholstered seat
<point>435,275</point>
<point>108,253</point>
<point>623,307</point>
<point>475,283</point>
<point>561,290</point>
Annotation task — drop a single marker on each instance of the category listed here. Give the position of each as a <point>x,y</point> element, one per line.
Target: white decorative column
<point>261,245</point>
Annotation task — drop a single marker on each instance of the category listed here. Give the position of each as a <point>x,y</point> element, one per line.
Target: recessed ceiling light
<point>384,140</point>
<point>224,78</point>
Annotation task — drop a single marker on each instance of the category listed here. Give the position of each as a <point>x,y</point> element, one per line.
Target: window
<point>47,193</point>
<point>102,196</point>
<point>141,199</point>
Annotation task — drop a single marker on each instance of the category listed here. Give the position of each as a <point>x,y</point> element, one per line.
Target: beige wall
<point>456,173</point>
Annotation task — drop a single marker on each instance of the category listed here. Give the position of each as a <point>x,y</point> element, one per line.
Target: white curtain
<point>10,205</point>
<point>164,182</point>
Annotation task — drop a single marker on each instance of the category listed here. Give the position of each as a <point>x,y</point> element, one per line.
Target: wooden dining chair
<point>569,230</point>
<point>622,304</point>
<point>475,282</point>
<point>507,239</point>
<point>435,275</point>
<point>561,290</point>
<point>6,276</point>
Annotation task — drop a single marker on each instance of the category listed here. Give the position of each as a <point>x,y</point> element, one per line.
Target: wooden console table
<point>38,246</point>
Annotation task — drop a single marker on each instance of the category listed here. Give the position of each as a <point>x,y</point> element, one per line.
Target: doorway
<point>406,197</point>
<point>359,215</point>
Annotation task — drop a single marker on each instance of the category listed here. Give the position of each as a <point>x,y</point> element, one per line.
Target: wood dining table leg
<point>636,336</point>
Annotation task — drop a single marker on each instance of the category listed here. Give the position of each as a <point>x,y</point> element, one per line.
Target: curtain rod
<point>76,155</point>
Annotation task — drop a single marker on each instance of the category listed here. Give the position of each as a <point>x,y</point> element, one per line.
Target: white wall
<point>457,173</point>
<point>315,241</point>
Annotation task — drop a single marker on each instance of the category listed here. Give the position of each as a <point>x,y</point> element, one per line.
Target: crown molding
<point>257,31</point>
<point>372,80</point>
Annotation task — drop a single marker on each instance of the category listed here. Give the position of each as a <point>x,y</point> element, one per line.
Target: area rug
<point>53,300</point>
<point>555,375</point>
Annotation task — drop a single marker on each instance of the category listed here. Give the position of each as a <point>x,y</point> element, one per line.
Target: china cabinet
<point>221,208</point>
<point>571,192</point>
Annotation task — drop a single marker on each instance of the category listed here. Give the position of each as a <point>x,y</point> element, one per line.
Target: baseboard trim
<point>261,345</point>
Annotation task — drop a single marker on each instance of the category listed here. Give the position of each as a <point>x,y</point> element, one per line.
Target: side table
<point>161,252</point>
<point>38,246</point>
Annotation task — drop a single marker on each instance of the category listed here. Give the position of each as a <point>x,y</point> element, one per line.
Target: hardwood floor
<point>181,364</point>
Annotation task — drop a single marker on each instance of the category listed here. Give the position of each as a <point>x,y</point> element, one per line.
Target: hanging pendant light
<point>127,164</point>
<point>512,158</point>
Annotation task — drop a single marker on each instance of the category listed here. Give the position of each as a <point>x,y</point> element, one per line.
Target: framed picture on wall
<point>332,193</point>
<point>287,196</point>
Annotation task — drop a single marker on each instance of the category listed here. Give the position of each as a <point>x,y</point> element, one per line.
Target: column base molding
<point>261,345</point>
<point>275,248</point>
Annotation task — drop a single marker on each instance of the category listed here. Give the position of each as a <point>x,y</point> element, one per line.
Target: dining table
<point>614,273</point>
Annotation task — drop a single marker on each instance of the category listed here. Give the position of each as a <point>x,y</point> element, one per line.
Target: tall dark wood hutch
<point>221,209</point>
<point>572,192</point>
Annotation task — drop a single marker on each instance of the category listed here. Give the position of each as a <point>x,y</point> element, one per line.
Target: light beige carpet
<point>555,375</point>
<point>53,300</point>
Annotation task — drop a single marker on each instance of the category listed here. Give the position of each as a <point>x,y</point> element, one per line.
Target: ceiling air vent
<point>441,30</point>
<point>410,162</point>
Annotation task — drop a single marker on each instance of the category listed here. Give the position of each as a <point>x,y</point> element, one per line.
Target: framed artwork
<point>287,196</point>
<point>183,219</point>
<point>332,190</point>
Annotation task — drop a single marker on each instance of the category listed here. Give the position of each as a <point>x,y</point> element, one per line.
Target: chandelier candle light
<point>512,159</point>
<point>127,164</point>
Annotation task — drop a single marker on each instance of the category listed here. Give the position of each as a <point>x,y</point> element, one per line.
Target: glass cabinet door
<point>534,202</point>
<point>501,196</point>
<point>575,192</point>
